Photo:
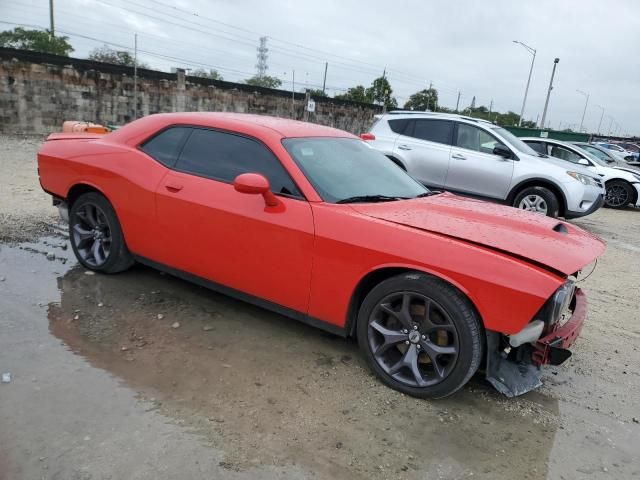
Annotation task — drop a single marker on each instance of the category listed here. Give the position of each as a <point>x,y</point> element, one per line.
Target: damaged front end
<point>514,361</point>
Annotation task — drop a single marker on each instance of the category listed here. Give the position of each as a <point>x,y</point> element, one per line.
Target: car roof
<point>260,126</point>
<point>448,116</point>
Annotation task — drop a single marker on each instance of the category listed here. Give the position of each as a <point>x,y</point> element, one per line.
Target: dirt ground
<point>143,376</point>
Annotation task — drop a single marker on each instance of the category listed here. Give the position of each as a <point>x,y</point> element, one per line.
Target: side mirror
<point>254,184</point>
<point>502,151</point>
<point>584,161</point>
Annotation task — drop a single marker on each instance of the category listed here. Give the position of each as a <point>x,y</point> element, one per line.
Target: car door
<point>474,169</point>
<point>212,231</point>
<point>424,149</point>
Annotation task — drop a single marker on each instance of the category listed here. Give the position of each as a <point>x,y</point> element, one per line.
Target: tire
<point>539,200</point>
<point>448,329</point>
<point>618,194</point>
<point>96,236</point>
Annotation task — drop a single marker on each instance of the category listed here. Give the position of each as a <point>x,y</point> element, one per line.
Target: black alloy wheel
<point>96,236</point>
<point>420,335</point>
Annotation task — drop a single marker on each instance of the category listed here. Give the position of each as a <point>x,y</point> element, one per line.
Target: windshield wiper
<point>429,193</point>
<point>371,198</point>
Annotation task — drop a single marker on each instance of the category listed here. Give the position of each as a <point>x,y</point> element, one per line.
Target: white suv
<point>477,158</point>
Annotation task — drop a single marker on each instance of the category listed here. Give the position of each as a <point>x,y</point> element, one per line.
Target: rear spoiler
<point>74,136</point>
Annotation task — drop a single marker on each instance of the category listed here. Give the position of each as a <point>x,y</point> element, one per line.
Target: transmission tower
<point>261,66</point>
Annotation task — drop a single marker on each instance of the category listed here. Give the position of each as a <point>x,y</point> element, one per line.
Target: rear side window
<point>224,156</point>
<point>165,146</point>
<point>439,131</point>
<point>538,147</point>
<point>399,125</point>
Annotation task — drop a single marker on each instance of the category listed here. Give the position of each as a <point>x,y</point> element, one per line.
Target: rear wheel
<point>96,236</point>
<point>538,200</point>
<point>618,194</point>
<point>420,335</point>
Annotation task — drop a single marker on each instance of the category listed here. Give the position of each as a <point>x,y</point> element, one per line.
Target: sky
<point>458,46</point>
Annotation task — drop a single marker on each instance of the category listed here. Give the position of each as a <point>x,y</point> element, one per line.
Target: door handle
<point>404,147</point>
<point>458,156</point>
<point>173,187</point>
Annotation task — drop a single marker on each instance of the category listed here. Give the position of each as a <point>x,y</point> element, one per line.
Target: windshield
<point>344,168</point>
<point>515,141</point>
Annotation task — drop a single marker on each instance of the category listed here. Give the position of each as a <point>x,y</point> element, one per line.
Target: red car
<point>311,222</point>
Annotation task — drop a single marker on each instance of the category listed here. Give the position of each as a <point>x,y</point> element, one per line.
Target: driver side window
<point>564,153</point>
<point>474,138</point>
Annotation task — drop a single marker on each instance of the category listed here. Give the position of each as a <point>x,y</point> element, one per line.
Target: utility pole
<point>610,124</point>
<point>601,116</point>
<point>324,82</point>
<point>293,93</point>
<point>585,107</point>
<point>546,103</point>
<point>458,101</point>
<point>51,24</point>
<point>526,91</point>
<point>430,87</point>
<point>384,104</point>
<point>135,76</point>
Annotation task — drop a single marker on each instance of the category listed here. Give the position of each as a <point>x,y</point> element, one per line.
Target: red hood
<point>543,240</point>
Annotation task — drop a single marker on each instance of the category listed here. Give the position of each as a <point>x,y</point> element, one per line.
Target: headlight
<point>559,303</point>
<point>584,179</point>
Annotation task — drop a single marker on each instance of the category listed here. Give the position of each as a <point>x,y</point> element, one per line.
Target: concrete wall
<point>39,91</point>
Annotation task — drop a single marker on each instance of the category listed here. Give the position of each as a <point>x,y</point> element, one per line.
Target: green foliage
<point>355,94</point>
<point>36,40</point>
<point>380,92</point>
<point>264,81</point>
<point>202,73</point>
<point>117,57</point>
<point>423,100</point>
<point>508,119</point>
<point>316,92</point>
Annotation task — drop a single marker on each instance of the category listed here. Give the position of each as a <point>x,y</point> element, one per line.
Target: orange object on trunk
<point>76,126</point>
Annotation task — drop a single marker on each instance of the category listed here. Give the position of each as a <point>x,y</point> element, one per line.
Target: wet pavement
<point>142,375</point>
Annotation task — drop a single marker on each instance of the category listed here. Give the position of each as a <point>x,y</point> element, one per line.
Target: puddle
<point>266,390</point>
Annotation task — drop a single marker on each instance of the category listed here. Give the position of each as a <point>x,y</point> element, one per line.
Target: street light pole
<point>601,116</point>
<point>585,107</point>
<point>532,51</point>
<point>546,103</point>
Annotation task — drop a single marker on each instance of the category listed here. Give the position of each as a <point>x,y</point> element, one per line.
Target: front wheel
<point>618,194</point>
<point>96,236</point>
<point>538,200</point>
<point>420,335</point>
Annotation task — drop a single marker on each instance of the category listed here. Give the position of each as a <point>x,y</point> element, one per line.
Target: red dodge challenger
<point>311,222</point>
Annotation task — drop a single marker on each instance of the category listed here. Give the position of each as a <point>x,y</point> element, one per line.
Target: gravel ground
<point>141,375</point>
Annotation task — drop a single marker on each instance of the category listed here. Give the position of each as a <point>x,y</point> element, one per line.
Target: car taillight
<point>367,136</point>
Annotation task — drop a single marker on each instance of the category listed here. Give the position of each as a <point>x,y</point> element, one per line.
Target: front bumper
<point>553,347</point>
<point>599,202</point>
<point>516,371</point>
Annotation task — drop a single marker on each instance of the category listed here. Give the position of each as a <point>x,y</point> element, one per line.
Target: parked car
<point>311,222</point>
<point>612,159</point>
<point>474,157</point>
<point>626,154</point>
<point>631,147</point>
<point>622,187</point>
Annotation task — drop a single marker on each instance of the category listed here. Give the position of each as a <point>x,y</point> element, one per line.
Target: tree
<point>355,94</point>
<point>202,73</point>
<point>264,81</point>
<point>316,92</point>
<point>380,92</point>
<point>117,57</point>
<point>36,40</point>
<point>424,100</point>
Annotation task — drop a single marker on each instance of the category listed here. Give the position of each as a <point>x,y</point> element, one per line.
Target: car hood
<point>545,241</point>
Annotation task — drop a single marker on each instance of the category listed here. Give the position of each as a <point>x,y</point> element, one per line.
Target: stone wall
<point>40,91</point>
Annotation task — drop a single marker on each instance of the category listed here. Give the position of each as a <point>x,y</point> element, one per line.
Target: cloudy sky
<point>460,46</point>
